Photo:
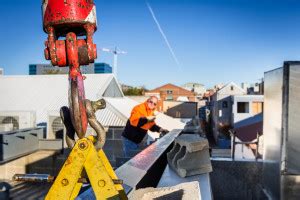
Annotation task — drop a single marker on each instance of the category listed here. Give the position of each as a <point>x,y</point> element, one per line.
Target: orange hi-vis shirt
<point>137,125</point>
<point>141,111</point>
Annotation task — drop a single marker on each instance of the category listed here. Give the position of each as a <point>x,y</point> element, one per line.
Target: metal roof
<point>47,93</point>
<point>111,116</point>
<point>42,93</point>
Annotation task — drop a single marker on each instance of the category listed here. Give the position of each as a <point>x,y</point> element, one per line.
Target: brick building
<point>170,92</point>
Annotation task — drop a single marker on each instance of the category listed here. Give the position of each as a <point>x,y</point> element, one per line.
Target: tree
<point>135,91</point>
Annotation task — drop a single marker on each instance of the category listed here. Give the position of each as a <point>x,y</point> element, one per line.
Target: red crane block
<point>61,17</point>
<point>69,19</point>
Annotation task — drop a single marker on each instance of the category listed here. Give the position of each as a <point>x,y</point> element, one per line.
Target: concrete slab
<point>170,178</point>
<point>183,191</point>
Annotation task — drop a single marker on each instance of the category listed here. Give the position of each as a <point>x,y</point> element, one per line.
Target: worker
<point>141,120</point>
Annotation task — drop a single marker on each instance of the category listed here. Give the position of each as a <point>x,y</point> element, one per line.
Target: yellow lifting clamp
<point>98,170</point>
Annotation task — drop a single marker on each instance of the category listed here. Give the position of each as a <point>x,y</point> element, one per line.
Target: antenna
<point>115,52</point>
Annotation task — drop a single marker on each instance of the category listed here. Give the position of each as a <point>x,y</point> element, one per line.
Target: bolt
<point>117,181</point>
<point>83,145</point>
<point>64,182</point>
<point>101,183</point>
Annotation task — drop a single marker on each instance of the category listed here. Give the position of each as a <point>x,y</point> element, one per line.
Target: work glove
<point>150,118</point>
<point>163,132</point>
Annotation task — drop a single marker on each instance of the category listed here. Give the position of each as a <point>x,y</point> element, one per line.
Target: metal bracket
<point>84,158</point>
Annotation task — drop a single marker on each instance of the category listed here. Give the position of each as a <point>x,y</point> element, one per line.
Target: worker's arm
<point>155,128</point>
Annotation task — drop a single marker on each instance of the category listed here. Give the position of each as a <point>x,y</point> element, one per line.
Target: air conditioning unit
<point>6,127</point>
<point>57,130</point>
<point>55,127</point>
<point>19,119</point>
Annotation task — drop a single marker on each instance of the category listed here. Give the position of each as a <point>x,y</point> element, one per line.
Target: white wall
<point>26,119</point>
<point>223,94</point>
<point>244,98</point>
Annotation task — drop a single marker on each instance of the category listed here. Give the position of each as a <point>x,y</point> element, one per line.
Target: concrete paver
<point>190,155</point>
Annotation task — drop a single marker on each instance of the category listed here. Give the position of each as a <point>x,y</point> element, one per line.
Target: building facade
<point>255,88</point>
<point>246,106</point>
<point>198,88</point>
<point>93,68</point>
<point>177,109</point>
<point>221,106</point>
<point>247,121</point>
<point>170,92</point>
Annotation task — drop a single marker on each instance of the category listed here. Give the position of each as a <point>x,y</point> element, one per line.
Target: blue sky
<point>214,40</point>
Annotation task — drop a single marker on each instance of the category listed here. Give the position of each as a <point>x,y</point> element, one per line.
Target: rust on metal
<point>72,19</point>
<point>91,108</point>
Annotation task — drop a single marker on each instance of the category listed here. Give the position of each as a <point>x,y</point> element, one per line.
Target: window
<point>224,104</point>
<point>169,97</point>
<point>231,88</point>
<point>257,107</point>
<point>169,92</point>
<point>243,107</point>
<point>220,113</point>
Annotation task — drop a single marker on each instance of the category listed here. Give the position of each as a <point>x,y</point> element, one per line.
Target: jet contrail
<point>163,34</point>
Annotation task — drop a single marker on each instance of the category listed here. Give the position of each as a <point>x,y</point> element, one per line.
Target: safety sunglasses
<point>150,101</point>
